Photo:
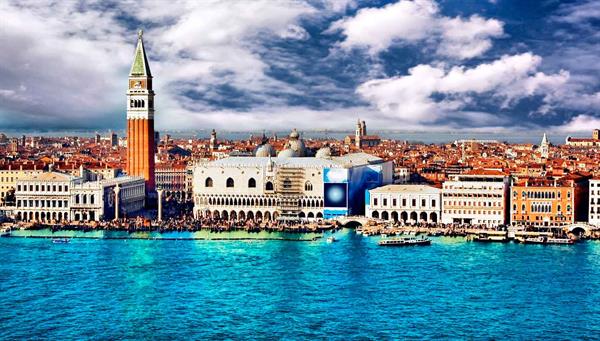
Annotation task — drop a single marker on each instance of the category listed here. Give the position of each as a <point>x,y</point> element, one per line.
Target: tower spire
<point>140,66</point>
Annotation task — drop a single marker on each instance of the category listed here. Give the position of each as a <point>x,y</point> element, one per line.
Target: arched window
<point>229,182</point>
<point>308,186</point>
<point>251,183</point>
<point>92,199</point>
<point>208,182</point>
<point>143,104</point>
<point>77,199</point>
<point>269,186</point>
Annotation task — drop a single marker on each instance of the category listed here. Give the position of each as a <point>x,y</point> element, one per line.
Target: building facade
<point>585,142</point>
<point>405,203</point>
<point>594,202</point>
<point>140,119</point>
<point>55,197</point>
<point>478,197</point>
<point>10,176</point>
<point>267,188</point>
<point>549,202</point>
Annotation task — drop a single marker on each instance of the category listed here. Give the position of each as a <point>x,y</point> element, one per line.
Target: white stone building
<point>288,186</point>
<point>405,203</point>
<point>55,197</point>
<point>594,207</point>
<point>478,197</point>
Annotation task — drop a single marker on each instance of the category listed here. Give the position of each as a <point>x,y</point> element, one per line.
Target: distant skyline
<point>445,65</point>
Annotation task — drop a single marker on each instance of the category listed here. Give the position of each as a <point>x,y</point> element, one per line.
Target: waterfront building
<point>173,179</point>
<point>585,142</point>
<point>140,119</point>
<point>549,201</point>
<point>287,186</point>
<point>360,138</point>
<point>9,177</point>
<point>55,196</point>
<point>477,197</point>
<point>405,203</point>
<point>594,202</point>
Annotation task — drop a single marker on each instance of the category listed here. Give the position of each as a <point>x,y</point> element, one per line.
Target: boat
<point>331,239</point>
<point>406,241</point>
<point>5,232</point>
<point>61,240</point>
<point>559,241</point>
<point>547,240</point>
<point>535,240</point>
<point>485,237</point>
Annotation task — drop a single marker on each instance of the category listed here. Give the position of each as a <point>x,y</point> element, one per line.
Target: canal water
<point>350,289</point>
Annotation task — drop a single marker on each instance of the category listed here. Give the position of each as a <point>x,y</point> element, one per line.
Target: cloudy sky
<point>312,64</point>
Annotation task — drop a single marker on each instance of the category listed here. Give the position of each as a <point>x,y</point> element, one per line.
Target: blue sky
<point>237,65</point>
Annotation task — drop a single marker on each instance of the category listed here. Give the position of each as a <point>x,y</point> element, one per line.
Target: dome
<point>294,134</point>
<point>287,153</point>
<point>264,150</point>
<point>324,153</point>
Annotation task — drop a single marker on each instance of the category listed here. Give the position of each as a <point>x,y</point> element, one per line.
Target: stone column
<point>117,190</point>
<point>160,192</point>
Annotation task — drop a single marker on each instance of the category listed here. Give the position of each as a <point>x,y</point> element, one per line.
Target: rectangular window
<point>374,201</point>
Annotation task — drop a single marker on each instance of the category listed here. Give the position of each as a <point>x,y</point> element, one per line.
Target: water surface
<point>352,289</point>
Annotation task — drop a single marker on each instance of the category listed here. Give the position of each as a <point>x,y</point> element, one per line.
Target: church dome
<point>287,153</point>
<point>265,150</point>
<point>294,134</point>
<point>324,153</point>
<point>296,144</point>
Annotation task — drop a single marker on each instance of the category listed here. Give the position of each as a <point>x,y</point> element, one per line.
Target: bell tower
<point>140,118</point>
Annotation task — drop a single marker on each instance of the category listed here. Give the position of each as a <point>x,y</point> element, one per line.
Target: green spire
<point>140,65</point>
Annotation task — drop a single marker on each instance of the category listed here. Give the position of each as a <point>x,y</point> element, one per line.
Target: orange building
<point>548,201</point>
<point>140,119</point>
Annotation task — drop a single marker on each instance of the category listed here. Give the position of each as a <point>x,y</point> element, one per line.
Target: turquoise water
<point>352,289</point>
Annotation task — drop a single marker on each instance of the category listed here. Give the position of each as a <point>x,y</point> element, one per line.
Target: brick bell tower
<point>140,118</point>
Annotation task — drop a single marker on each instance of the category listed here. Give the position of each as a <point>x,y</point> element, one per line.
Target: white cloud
<point>414,22</point>
<point>428,93</point>
<point>580,123</point>
<point>467,38</point>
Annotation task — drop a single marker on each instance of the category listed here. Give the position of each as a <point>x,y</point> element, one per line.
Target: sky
<point>444,65</point>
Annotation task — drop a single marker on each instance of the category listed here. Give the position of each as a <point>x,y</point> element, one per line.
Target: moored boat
<point>405,242</point>
<point>488,238</point>
<point>560,241</point>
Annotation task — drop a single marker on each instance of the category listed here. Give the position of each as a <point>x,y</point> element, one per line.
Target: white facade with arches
<point>55,197</point>
<point>407,204</point>
<point>267,188</point>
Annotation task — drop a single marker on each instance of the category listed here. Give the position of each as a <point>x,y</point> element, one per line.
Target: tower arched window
<point>269,186</point>
<point>308,186</point>
<point>208,182</point>
<point>143,104</point>
<point>131,103</point>
<point>230,183</point>
<point>251,183</point>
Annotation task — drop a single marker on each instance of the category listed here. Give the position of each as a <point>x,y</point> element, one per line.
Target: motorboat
<point>406,241</point>
<point>485,237</point>
<point>331,239</point>
<point>61,240</point>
